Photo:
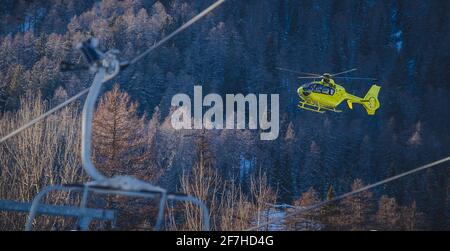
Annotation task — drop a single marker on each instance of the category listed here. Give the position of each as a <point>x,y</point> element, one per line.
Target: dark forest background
<point>404,44</point>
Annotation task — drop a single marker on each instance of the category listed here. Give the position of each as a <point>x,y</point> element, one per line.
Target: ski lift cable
<point>343,196</point>
<point>44,115</point>
<point>133,61</point>
<point>106,66</point>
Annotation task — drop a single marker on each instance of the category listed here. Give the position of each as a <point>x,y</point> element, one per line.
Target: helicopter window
<point>325,90</point>
<point>308,87</point>
<point>321,89</point>
<point>317,88</point>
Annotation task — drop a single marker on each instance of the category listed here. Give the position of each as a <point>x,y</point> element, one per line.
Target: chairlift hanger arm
<point>106,66</point>
<point>65,66</point>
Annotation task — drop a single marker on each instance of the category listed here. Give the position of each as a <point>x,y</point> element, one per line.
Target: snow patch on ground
<point>278,218</point>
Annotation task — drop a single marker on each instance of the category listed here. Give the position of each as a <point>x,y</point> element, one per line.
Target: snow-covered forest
<point>404,44</point>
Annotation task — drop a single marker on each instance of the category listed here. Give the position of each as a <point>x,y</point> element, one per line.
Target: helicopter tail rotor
<point>371,102</point>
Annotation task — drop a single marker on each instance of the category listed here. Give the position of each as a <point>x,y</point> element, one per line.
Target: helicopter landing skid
<point>332,110</point>
<point>310,107</point>
<point>315,108</point>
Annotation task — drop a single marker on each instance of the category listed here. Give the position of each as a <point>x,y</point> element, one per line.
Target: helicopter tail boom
<point>370,102</point>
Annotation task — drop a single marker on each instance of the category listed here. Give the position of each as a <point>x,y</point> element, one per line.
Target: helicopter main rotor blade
<point>297,72</point>
<point>311,77</point>
<point>340,73</point>
<point>355,78</point>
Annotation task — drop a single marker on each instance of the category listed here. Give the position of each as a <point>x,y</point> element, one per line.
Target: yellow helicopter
<point>326,95</point>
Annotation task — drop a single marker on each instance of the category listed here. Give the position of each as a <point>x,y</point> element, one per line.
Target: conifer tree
<point>357,208</point>
<point>387,216</point>
<point>411,218</point>
<point>330,213</point>
<point>14,86</point>
<point>203,183</point>
<point>120,138</point>
<point>304,220</point>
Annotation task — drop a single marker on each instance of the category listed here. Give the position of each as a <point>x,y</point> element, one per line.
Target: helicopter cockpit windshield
<point>309,87</point>
<point>317,88</point>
